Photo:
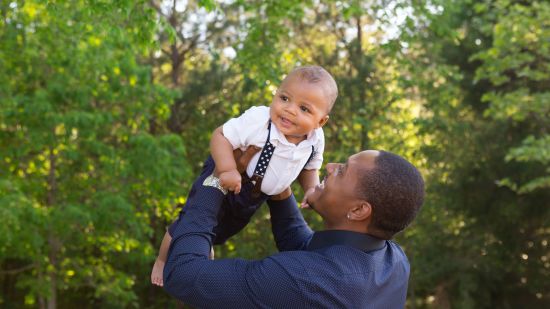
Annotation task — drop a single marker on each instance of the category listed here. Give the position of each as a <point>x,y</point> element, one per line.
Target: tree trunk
<point>41,299</point>
<point>175,65</point>
<point>53,242</point>
<point>361,79</point>
<point>52,301</point>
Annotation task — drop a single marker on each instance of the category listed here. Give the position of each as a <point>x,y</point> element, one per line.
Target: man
<point>351,264</point>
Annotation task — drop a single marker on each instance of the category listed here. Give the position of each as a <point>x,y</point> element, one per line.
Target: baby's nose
<point>291,109</point>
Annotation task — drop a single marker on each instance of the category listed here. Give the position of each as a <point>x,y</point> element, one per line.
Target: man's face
<point>331,199</point>
<point>298,108</point>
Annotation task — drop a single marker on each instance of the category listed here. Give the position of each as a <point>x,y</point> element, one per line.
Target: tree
<point>80,173</point>
<point>483,134</point>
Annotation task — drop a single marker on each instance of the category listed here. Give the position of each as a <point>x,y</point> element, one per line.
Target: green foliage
<point>80,171</point>
<point>484,126</point>
<point>520,72</point>
<point>267,31</point>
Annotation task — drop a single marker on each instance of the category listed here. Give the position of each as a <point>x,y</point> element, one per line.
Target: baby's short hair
<point>314,74</point>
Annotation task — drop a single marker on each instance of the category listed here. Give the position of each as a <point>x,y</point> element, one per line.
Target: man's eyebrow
<point>345,168</point>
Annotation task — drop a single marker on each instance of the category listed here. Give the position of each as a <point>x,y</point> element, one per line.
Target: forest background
<point>107,108</point>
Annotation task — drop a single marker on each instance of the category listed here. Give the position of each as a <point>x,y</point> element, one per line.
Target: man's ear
<point>361,211</point>
<point>323,121</point>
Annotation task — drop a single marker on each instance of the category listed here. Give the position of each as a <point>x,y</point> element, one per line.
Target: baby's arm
<point>308,179</point>
<point>222,153</point>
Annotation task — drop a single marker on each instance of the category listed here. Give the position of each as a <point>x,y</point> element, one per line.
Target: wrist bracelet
<point>213,181</point>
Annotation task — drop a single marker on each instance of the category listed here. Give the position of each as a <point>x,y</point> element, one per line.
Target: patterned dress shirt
<point>329,269</point>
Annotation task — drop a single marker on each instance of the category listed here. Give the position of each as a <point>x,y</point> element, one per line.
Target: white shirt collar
<point>276,135</point>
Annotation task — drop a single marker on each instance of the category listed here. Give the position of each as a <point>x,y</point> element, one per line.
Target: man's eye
<point>304,109</point>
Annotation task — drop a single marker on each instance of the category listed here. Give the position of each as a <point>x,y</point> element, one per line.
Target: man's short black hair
<point>395,190</point>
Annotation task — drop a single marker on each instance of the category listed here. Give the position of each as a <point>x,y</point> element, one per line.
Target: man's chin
<point>313,198</point>
<point>313,205</point>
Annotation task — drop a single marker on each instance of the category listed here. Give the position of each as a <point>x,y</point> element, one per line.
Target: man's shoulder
<point>338,268</point>
<point>326,259</point>
<point>357,261</point>
<point>397,251</point>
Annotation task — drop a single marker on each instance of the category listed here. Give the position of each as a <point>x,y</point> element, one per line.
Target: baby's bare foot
<point>156,274</point>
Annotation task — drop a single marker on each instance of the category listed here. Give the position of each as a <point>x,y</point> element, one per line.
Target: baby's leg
<point>228,226</point>
<point>236,212</point>
<point>158,267</point>
<point>196,198</point>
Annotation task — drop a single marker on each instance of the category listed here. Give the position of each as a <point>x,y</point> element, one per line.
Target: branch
<point>168,54</point>
<point>17,270</point>
<point>157,8</point>
<point>192,45</point>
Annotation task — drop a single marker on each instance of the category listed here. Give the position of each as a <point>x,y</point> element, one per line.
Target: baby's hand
<point>304,203</point>
<point>231,180</point>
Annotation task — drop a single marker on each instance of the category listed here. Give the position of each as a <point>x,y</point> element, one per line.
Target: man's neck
<point>358,228</point>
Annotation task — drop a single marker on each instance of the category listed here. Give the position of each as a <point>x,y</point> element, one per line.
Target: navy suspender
<point>263,162</point>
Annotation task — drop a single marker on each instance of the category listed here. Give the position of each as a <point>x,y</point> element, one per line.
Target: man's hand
<point>243,158</point>
<point>304,203</point>
<point>231,180</point>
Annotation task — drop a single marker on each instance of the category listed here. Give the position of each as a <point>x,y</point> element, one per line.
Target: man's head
<point>303,101</point>
<point>376,192</point>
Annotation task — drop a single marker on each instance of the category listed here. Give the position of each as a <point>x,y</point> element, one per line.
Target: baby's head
<point>303,102</point>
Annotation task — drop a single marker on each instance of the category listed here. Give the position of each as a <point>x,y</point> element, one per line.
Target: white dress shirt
<point>288,159</point>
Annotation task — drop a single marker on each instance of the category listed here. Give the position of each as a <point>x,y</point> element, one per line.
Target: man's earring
<point>348,216</point>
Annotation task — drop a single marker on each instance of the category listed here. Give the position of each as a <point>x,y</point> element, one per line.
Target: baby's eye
<point>304,109</point>
<point>284,98</point>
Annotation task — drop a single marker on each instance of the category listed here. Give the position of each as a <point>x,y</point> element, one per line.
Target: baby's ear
<point>323,121</point>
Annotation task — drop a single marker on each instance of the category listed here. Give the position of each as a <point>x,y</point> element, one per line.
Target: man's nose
<point>330,167</point>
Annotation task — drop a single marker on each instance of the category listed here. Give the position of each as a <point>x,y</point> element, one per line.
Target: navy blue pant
<point>235,211</point>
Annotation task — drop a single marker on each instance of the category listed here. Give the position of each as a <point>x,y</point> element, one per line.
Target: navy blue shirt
<point>329,269</point>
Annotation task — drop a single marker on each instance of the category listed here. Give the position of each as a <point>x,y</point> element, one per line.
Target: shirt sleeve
<point>290,230</point>
<point>240,131</point>
<point>317,160</point>
<point>237,283</point>
<point>227,283</point>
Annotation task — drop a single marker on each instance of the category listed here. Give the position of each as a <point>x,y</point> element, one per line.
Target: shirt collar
<point>360,241</point>
<point>276,135</point>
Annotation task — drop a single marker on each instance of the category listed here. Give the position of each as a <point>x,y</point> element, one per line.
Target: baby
<point>292,141</point>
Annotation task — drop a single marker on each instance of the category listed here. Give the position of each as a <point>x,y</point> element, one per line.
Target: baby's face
<point>298,108</point>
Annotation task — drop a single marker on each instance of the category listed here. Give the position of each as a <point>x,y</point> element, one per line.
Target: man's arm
<point>290,230</point>
<point>229,283</point>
